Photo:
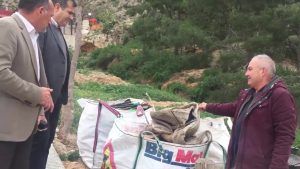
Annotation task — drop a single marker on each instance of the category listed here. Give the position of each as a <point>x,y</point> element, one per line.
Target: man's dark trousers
<point>15,155</point>
<point>42,140</point>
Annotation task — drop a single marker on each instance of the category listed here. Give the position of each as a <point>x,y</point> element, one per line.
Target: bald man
<point>264,119</point>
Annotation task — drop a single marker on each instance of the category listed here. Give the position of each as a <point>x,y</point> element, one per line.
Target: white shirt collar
<point>54,22</point>
<point>28,25</point>
<point>33,36</point>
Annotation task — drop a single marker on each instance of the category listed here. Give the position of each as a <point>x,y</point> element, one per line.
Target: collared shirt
<point>54,22</point>
<point>33,36</point>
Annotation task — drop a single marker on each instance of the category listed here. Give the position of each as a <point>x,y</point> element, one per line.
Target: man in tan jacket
<point>23,91</point>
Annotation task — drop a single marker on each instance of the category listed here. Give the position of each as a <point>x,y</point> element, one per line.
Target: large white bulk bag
<point>95,124</point>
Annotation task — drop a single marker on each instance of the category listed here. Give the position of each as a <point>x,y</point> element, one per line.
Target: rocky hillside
<point>9,4</point>
<point>109,11</point>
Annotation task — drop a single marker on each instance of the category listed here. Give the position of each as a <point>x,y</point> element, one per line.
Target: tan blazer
<point>20,93</point>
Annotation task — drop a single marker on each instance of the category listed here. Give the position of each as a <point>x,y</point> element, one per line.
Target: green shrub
<point>292,80</point>
<point>133,62</point>
<point>85,71</point>
<point>208,82</point>
<point>70,156</point>
<point>177,88</point>
<point>297,139</point>
<point>259,43</point>
<point>73,155</point>
<point>83,61</point>
<point>63,157</point>
<point>192,80</point>
<point>126,68</point>
<point>159,66</point>
<point>284,71</point>
<point>232,61</point>
<point>101,58</point>
<point>120,60</point>
<point>216,86</point>
<point>196,61</point>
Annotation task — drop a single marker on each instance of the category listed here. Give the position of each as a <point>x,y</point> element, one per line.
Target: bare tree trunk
<point>67,111</point>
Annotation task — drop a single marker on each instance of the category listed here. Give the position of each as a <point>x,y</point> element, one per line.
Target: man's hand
<point>46,100</point>
<point>202,106</point>
<point>42,123</point>
<point>41,118</point>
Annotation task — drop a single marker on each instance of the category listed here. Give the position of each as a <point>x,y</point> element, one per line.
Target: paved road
<point>54,161</point>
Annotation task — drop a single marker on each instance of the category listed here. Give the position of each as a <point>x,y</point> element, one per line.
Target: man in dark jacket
<point>264,119</point>
<point>57,67</point>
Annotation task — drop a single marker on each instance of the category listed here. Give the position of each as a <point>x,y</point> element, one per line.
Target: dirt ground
<point>187,78</point>
<point>98,77</point>
<point>74,165</point>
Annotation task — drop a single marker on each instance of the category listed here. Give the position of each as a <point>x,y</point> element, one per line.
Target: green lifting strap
<point>141,144</point>
<point>223,150</point>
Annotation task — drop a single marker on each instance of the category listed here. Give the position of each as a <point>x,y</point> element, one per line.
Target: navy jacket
<point>55,62</point>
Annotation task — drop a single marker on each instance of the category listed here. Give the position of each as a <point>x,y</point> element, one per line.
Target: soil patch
<point>188,78</point>
<point>98,77</point>
<point>88,47</point>
<point>74,165</point>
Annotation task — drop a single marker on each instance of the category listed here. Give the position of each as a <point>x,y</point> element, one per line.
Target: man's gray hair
<point>266,62</point>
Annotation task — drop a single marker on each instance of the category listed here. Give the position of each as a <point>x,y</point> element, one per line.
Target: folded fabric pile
<point>178,125</point>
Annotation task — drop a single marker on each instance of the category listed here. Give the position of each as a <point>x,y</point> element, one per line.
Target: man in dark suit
<point>23,91</point>
<point>57,67</point>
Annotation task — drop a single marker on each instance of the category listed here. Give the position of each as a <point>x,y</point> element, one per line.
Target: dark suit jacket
<point>55,62</point>
<point>20,93</point>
